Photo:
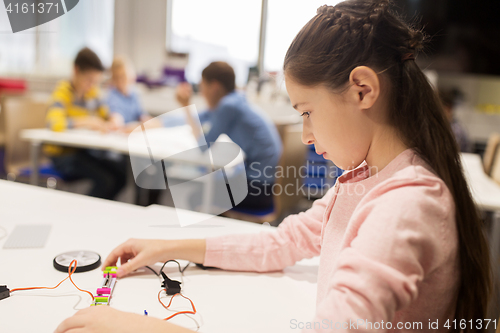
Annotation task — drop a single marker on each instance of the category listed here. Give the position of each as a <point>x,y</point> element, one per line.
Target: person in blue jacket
<point>229,113</point>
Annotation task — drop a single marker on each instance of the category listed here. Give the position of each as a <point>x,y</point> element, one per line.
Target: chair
<point>18,113</point>
<point>3,94</point>
<point>495,169</point>
<point>293,157</point>
<point>491,152</point>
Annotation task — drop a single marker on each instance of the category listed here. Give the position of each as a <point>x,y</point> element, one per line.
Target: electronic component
<point>4,292</point>
<point>203,266</point>
<point>87,261</point>
<point>104,292</point>
<point>169,303</point>
<point>172,287</point>
<point>71,270</point>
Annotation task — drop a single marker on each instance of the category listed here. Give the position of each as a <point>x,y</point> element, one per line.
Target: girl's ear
<point>365,85</point>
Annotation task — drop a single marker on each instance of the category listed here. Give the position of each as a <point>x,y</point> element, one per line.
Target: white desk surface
<point>176,144</point>
<point>226,301</point>
<point>485,191</point>
<point>165,142</point>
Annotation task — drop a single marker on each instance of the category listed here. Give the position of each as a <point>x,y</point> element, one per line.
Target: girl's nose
<point>307,135</point>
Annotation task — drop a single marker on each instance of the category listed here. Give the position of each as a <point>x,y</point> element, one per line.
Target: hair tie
<point>408,56</point>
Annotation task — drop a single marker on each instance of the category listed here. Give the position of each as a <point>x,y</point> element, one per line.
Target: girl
<point>399,237</point>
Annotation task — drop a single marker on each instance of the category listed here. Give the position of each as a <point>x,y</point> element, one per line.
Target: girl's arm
<point>183,95</point>
<point>296,238</point>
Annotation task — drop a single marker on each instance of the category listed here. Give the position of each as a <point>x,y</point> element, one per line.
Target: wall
<point>477,89</point>
<point>140,33</point>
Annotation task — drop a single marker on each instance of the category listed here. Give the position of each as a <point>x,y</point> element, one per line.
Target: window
<point>212,30</point>
<point>90,24</point>
<point>17,51</point>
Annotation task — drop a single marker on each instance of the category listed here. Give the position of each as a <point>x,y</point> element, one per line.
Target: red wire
<point>70,272</point>
<point>180,312</point>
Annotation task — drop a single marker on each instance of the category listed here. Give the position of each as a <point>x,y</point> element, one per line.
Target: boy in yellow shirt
<point>77,104</point>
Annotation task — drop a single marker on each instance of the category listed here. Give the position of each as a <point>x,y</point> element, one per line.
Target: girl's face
<point>85,80</point>
<point>335,123</point>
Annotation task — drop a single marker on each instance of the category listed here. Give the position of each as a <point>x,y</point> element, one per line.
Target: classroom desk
<point>486,193</point>
<point>165,143</point>
<point>177,139</point>
<point>225,301</point>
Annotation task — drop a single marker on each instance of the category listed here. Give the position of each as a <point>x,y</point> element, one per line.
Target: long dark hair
<point>369,33</point>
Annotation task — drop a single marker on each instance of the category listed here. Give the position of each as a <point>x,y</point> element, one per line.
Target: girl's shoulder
<point>416,188</point>
<point>407,176</point>
<point>417,173</point>
<point>412,206</point>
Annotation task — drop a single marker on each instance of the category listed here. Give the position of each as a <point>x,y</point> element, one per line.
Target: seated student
<point>123,99</point>
<point>76,104</point>
<point>230,113</point>
<point>447,100</point>
<point>399,238</point>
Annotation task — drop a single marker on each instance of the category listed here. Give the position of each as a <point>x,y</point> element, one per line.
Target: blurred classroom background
<point>171,41</point>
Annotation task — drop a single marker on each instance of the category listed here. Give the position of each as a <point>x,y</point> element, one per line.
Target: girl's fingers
<point>130,266</point>
<point>77,330</point>
<point>71,323</point>
<point>125,258</point>
<point>118,252</point>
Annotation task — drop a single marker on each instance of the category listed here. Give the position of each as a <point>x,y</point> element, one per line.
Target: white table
<point>226,301</point>
<point>486,193</point>
<point>177,139</point>
<point>165,143</point>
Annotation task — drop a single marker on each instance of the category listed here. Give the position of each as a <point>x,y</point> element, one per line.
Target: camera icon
<point>26,14</point>
<point>171,158</point>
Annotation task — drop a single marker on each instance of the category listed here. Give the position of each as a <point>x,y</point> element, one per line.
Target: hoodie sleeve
<point>296,238</point>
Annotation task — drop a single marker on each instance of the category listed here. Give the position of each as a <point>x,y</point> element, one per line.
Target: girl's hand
<point>183,93</point>
<point>136,253</point>
<point>130,127</point>
<point>104,319</point>
<point>91,122</point>
<point>115,122</point>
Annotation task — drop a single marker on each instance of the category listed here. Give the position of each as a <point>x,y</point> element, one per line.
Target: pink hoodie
<point>388,248</point>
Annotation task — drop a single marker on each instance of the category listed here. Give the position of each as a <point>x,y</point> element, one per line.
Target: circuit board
<point>104,292</point>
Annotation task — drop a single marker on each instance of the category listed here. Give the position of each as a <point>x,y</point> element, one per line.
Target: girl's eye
<point>305,114</point>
